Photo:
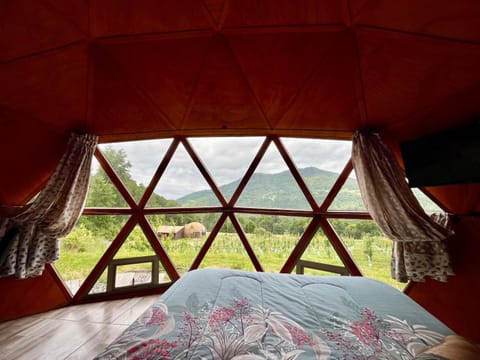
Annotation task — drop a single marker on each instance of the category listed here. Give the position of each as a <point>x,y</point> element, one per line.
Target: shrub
<point>80,239</point>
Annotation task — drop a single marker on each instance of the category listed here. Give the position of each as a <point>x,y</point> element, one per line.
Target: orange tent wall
<point>28,161</point>
<point>31,296</point>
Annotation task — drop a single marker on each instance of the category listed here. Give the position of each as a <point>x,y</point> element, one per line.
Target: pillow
<point>453,347</point>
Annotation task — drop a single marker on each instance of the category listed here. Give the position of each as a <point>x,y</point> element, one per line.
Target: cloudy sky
<point>226,159</point>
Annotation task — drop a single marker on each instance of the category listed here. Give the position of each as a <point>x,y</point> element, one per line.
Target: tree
<point>118,160</point>
<point>247,224</point>
<point>297,226</point>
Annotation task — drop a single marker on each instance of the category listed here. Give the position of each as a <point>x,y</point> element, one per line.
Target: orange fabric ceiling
<point>128,69</point>
<point>121,67</point>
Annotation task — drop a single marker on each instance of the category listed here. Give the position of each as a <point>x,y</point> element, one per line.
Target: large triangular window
<point>159,208</point>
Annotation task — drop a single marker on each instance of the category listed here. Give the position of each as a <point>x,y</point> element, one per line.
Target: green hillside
<point>281,191</point>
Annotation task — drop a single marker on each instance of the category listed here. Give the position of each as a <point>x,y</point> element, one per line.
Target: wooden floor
<point>74,332</point>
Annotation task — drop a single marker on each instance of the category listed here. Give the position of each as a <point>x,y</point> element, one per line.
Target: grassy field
<point>372,254</point>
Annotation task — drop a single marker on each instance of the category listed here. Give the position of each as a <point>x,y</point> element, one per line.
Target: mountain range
<point>280,190</point>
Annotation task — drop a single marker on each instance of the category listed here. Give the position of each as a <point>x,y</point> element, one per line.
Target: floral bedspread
<point>224,314</point>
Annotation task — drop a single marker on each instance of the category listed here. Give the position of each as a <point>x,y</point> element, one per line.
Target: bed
<point>232,314</point>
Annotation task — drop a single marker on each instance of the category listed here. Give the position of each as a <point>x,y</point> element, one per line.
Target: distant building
<point>192,230</point>
<point>176,232</point>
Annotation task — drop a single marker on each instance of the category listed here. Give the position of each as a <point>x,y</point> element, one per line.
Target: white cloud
<point>227,158</point>
<point>331,155</point>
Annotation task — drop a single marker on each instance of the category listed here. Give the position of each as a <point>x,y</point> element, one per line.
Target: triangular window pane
<point>183,183</point>
<point>272,185</point>
<point>320,251</point>
<point>135,265</point>
<point>101,191</point>
<point>370,249</point>
<point>134,262</point>
<point>227,158</point>
<point>349,197</point>
<point>227,251</point>
<point>319,161</point>
<point>81,250</point>
<point>183,235</point>
<point>427,204</point>
<point>273,237</point>
<point>135,162</point>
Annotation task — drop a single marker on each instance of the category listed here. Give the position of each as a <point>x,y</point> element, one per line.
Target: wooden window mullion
<point>340,248</point>
<point>117,182</point>
<point>203,170</point>
<point>158,173</point>
<point>337,186</point>
<point>301,245</point>
<point>296,174</point>
<point>248,174</point>
<point>208,243</point>
<point>248,247</point>
<point>158,248</point>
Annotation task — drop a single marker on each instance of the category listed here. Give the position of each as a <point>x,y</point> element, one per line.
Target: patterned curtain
<point>29,239</point>
<point>419,241</point>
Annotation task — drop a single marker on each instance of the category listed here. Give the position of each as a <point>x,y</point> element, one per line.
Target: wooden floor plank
<point>75,332</point>
<point>102,312</point>
<point>50,339</point>
<point>13,327</point>
<point>101,340</point>
<point>131,314</point>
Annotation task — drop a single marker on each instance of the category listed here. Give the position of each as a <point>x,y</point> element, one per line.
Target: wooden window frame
<point>137,211</point>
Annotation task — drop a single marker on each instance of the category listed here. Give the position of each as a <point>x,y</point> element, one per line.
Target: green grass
<point>372,254</point>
